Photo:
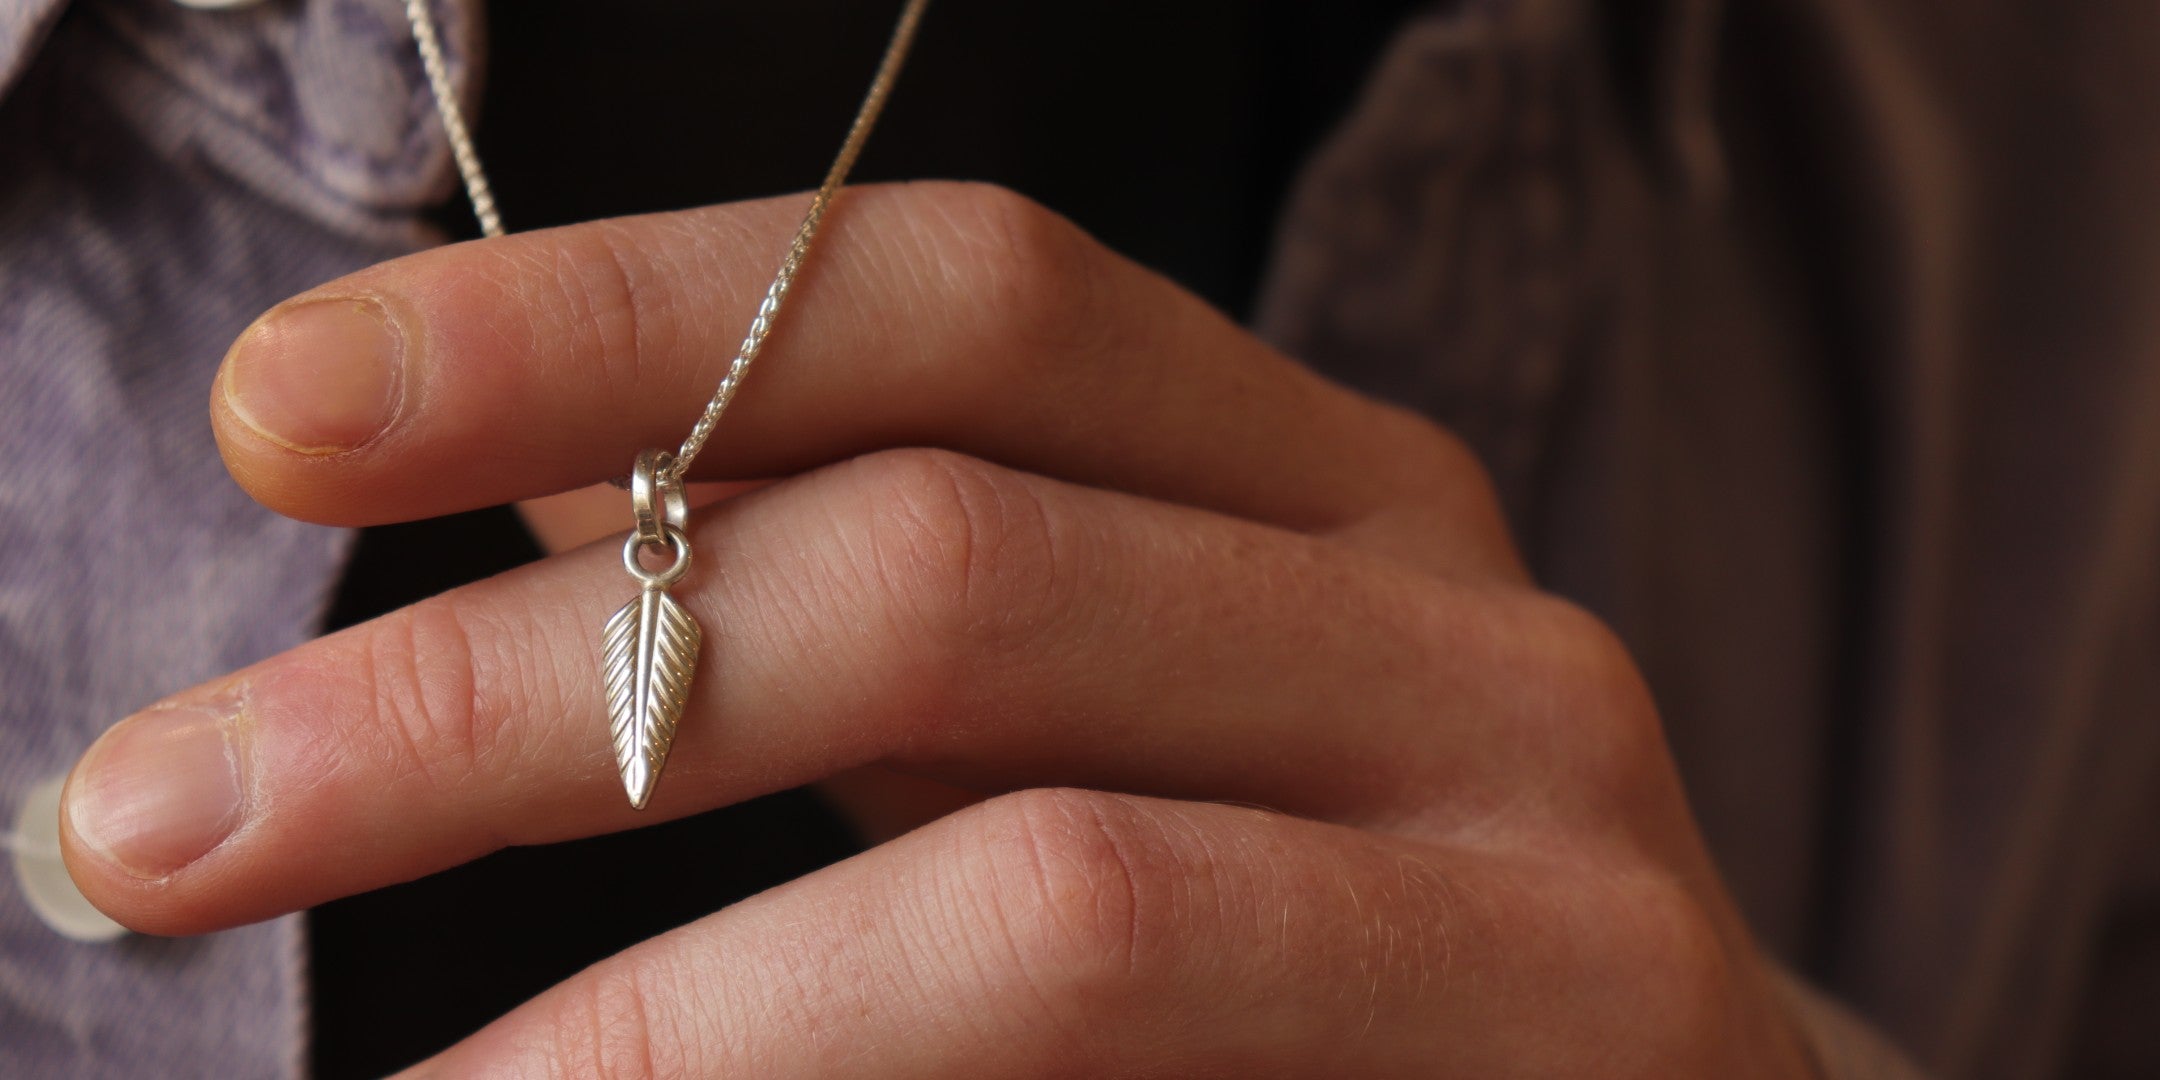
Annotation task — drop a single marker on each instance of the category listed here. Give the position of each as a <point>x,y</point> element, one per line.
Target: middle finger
<point>914,608</point>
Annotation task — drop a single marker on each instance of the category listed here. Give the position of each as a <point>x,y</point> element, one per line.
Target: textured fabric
<point>168,174</point>
<point>1813,343</point>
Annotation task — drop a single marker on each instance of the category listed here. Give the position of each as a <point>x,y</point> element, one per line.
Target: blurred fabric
<point>1814,343</point>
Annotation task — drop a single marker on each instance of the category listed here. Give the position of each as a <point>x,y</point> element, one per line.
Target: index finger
<point>949,315</point>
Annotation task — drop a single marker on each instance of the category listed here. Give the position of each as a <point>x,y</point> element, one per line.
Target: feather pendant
<point>649,653</point>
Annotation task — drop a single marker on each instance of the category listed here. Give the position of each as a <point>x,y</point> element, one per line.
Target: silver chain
<point>866,117</point>
<point>453,118</point>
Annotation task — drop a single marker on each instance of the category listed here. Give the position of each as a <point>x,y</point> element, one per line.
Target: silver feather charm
<point>650,650</point>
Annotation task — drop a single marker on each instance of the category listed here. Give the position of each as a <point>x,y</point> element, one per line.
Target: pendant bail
<point>657,499</point>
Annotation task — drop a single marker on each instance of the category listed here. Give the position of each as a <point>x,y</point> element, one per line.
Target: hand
<point>1292,771</point>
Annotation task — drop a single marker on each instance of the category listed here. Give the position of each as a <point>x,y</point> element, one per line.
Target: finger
<point>983,627</point>
<point>942,315</point>
<point>1071,933</point>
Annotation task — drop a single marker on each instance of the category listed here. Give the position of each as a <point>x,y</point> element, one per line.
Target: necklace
<point>650,645</point>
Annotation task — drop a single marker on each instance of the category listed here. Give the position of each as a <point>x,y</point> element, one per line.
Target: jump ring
<point>676,541</point>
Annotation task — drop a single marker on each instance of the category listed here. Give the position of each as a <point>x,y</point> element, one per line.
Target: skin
<point>1268,757</point>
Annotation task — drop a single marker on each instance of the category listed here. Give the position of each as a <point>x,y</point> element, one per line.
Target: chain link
<point>866,117</point>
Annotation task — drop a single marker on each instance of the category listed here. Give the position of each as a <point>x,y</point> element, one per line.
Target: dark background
<point>1171,130</point>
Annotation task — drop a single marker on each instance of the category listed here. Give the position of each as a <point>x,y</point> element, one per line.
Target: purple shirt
<point>165,175</point>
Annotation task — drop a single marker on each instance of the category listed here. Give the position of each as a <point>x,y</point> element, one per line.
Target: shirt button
<point>45,883</point>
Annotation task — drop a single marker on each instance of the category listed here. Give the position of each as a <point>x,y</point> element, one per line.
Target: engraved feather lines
<point>649,653</point>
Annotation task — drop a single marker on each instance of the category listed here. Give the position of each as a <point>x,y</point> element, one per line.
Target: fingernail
<point>160,790</point>
<point>317,377</point>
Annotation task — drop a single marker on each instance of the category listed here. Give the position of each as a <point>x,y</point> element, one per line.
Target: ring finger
<point>1074,933</point>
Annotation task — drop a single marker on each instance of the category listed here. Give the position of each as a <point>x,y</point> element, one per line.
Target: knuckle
<point>1082,887</point>
<point>614,299</point>
<point>405,690</point>
<point>1040,279</point>
<point>619,1022</point>
<point>1439,468</point>
<point>966,550</point>
<point>421,704</point>
<point>1591,656</point>
<point>1614,748</point>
